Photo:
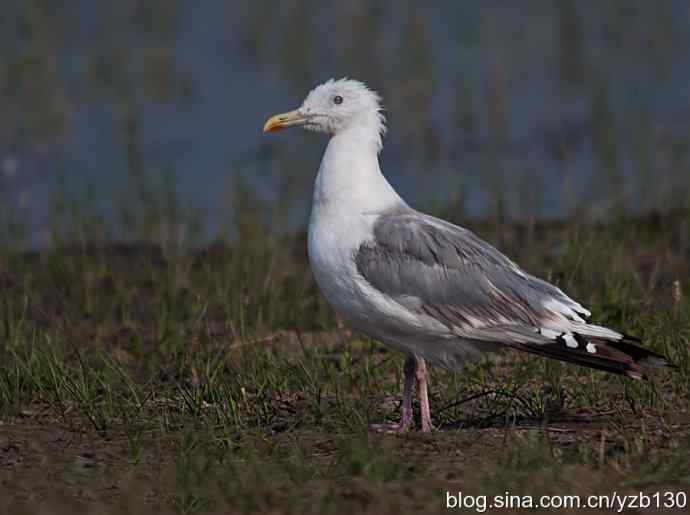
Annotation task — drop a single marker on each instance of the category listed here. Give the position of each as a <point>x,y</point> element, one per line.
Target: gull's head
<point>333,107</point>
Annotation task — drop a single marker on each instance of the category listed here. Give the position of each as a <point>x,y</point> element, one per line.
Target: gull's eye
<point>337,99</point>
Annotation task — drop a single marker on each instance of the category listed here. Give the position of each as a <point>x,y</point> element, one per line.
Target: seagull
<point>421,285</point>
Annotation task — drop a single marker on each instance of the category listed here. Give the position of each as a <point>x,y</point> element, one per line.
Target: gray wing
<point>452,275</point>
<point>447,272</point>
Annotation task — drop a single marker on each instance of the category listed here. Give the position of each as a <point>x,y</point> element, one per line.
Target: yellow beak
<point>285,120</point>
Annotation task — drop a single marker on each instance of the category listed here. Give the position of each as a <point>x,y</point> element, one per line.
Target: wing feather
<point>456,277</point>
<point>446,272</point>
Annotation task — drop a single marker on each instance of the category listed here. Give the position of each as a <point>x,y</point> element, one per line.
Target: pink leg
<point>421,377</point>
<point>409,369</point>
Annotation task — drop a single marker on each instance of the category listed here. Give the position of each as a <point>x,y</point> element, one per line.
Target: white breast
<point>332,244</point>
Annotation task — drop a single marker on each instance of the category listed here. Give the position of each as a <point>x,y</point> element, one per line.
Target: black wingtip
<point>645,356</point>
<point>624,356</point>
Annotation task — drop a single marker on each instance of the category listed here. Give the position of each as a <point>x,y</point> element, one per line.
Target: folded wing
<point>447,272</point>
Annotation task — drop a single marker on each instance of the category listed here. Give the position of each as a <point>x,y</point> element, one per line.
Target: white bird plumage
<point>428,288</point>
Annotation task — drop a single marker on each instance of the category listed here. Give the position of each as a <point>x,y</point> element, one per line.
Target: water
<point>512,109</point>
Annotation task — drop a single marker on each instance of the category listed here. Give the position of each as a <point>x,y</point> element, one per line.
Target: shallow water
<point>506,110</point>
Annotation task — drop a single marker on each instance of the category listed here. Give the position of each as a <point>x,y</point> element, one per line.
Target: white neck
<point>350,179</point>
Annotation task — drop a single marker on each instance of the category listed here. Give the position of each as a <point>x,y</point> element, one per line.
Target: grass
<point>136,379</point>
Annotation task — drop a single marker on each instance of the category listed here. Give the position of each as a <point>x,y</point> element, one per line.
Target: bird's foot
<point>398,429</point>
